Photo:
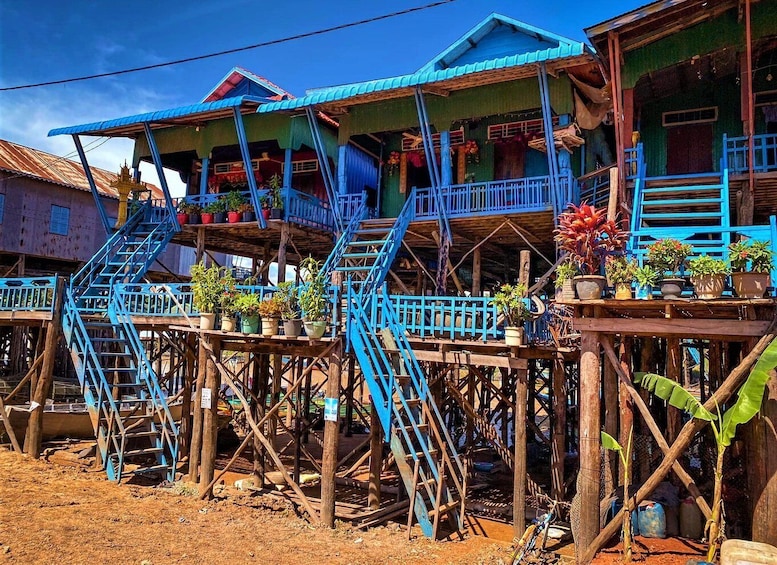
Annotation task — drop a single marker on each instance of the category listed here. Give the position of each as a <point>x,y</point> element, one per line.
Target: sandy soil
<point>59,514</point>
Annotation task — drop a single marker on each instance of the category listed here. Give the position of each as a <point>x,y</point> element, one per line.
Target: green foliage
<point>271,307</point>
<point>234,200</point>
<point>187,207</point>
<point>706,265</point>
<point>609,442</point>
<point>646,276</point>
<point>619,269</point>
<point>668,255</point>
<point>674,393</point>
<point>216,206</point>
<point>566,271</point>
<point>228,292</point>
<point>312,297</point>
<point>275,184</point>
<point>288,296</point>
<point>247,304</point>
<point>757,254</point>
<point>207,287</point>
<point>588,236</point>
<point>511,300</point>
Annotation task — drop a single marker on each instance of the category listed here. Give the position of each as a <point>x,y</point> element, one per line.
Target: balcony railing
<point>448,317</point>
<point>349,204</point>
<point>27,294</point>
<point>529,194</point>
<point>764,151</point>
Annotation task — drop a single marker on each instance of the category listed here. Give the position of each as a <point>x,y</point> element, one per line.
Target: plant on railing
<point>288,297</point>
<point>511,300</point>
<point>472,151</point>
<point>393,162</point>
<point>752,263</point>
<point>312,297</point>
<point>233,200</point>
<point>724,426</point>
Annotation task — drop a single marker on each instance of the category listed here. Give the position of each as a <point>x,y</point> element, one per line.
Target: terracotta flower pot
<point>266,213</point>
<point>623,291</point>
<point>183,218</point>
<point>750,285</point>
<point>207,218</point>
<point>589,287</point>
<point>233,217</point>
<point>708,287</point>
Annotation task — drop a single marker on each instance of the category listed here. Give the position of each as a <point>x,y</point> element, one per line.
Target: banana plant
<point>747,405</point>
<point>609,442</point>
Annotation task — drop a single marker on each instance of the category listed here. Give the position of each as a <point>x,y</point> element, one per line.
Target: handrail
<point>736,152</point>
<point>337,253</point>
<point>451,317</point>
<point>31,294</point>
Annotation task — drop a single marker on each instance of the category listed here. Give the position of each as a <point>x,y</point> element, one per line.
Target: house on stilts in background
<point>419,196</point>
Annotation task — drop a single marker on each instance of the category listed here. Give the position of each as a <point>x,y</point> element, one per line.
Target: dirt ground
<point>59,514</point>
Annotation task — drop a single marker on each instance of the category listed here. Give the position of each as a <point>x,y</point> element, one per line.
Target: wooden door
<point>689,149</point>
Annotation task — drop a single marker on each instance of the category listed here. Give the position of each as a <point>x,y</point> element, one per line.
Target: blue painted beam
<point>204,176</point>
<point>342,179</point>
<point>254,190</point>
<point>161,174</point>
<point>326,170</point>
<point>547,120</point>
<point>92,185</point>
<point>445,158</point>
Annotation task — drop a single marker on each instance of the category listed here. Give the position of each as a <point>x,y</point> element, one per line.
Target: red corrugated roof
<point>34,163</point>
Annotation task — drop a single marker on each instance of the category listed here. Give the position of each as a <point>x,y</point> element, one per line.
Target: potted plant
<point>589,237</point>
<point>210,211</point>
<point>620,272</point>
<point>668,255</point>
<point>565,289</point>
<point>292,322</point>
<point>759,257</point>
<point>207,289</point>
<point>264,202</point>
<point>228,296</point>
<point>276,210</point>
<point>232,202</point>
<point>708,276</point>
<point>183,212</point>
<point>270,310</point>
<point>247,213</point>
<point>247,305</point>
<point>312,298</point>
<point>511,300</point>
<point>646,278</point>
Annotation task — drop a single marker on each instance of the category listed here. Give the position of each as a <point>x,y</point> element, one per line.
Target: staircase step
<point>690,189</point>
<point>445,508</point>
<point>365,231</point>
<point>683,203</point>
<point>146,470</point>
<point>144,451</point>
<point>146,433</point>
<point>680,215</point>
<point>366,254</point>
<point>421,454</point>
<point>422,428</point>
<point>360,243</point>
<point>350,269</point>
<point>411,403</point>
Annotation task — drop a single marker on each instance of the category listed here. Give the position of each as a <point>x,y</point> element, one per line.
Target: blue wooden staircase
<point>691,208</point>
<point>428,463</point>
<point>129,411</point>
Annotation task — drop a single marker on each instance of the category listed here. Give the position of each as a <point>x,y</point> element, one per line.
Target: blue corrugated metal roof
<point>159,115</point>
<point>422,77</point>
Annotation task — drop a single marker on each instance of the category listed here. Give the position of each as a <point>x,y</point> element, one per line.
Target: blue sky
<point>51,39</point>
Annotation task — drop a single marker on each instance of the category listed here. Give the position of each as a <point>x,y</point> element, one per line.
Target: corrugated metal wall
<point>360,171</point>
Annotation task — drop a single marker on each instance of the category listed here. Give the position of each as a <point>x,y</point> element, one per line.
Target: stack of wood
<point>564,137</point>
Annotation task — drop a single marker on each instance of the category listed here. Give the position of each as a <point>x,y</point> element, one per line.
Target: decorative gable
<point>240,82</point>
<point>495,37</point>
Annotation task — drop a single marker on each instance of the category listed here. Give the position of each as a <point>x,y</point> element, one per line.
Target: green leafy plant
<point>233,200</point>
<point>228,293</point>
<point>511,300</point>
<point>747,405</point>
<point>706,265</point>
<point>589,237</point>
<point>271,307</point>
<point>215,206</point>
<point>247,304</point>
<point>187,207</point>
<point>610,443</point>
<point>275,184</point>
<point>288,296</point>
<point>566,271</point>
<point>207,287</point>
<point>619,269</point>
<point>668,255</point>
<point>758,255</point>
<point>646,276</point>
<point>312,296</point>
<point>264,201</point>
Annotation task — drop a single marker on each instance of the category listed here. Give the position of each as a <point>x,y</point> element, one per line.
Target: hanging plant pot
<point>709,287</point>
<point>750,285</point>
<point>316,329</point>
<point>249,324</point>
<point>270,326</point>
<point>207,218</point>
<point>207,320</point>
<point>623,291</point>
<point>643,292</point>
<point>233,217</point>
<point>292,328</point>
<point>672,288</point>
<point>515,336</point>
<point>227,323</point>
<point>589,287</point>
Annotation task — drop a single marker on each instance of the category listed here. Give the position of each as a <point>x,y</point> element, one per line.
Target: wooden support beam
<point>558,437</point>
<point>8,428</point>
<point>190,366</point>
<point>196,444</point>
<point>625,402</point>
<point>476,273</point>
<point>376,457</point>
<point>610,391</point>
<point>34,436</point>
<point>725,330</point>
<point>762,469</point>
<point>674,372</point>
<point>589,475</point>
<point>331,438</point>
<point>519,456</point>
<point>449,267</point>
<point>284,241</point>
<point>210,414</point>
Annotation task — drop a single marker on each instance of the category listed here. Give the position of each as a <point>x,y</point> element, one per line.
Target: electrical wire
<point>235,50</point>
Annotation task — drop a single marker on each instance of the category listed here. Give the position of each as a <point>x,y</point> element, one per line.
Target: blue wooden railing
<point>595,187</point>
<point>448,317</point>
<point>764,150</point>
<point>351,203</point>
<point>634,162</point>
<point>307,210</point>
<point>27,294</point>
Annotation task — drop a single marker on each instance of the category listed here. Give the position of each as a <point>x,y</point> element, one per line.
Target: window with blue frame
<point>2,207</point>
<point>60,220</point>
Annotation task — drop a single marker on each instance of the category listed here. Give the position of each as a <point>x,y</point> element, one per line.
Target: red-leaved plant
<point>588,237</point>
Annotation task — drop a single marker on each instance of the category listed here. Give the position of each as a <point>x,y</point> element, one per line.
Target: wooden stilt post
<point>762,451</point>
<point>210,415</point>
<point>611,412</point>
<point>199,253</point>
<point>349,397</point>
<point>196,445</point>
<point>589,475</point>
<point>185,433</point>
<point>519,475</point>
<point>259,388</point>
<point>282,252</point>
<point>476,274</point>
<point>524,275</point>
<point>34,435</point>
<point>331,439</point>
<point>376,459</point>
<point>558,439</point>
<point>674,372</point>
<point>625,401</point>
<point>277,378</point>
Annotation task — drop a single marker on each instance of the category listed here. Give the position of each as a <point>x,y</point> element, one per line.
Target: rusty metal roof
<point>34,163</point>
